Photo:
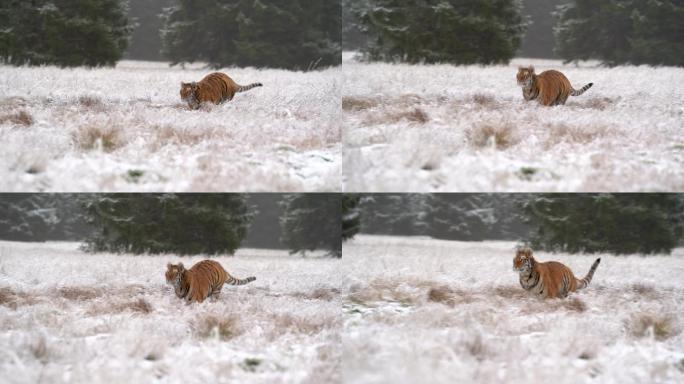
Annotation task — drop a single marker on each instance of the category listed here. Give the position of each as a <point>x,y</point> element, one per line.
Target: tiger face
<point>188,94</point>
<point>522,262</point>
<point>525,76</point>
<point>174,273</point>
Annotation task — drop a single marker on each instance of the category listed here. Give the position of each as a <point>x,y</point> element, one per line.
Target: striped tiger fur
<point>549,279</point>
<point>203,280</point>
<point>548,88</point>
<point>215,88</point>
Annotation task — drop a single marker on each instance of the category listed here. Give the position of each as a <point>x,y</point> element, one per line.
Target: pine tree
<point>351,215</point>
<point>186,224</point>
<point>296,34</point>
<point>312,221</point>
<point>617,223</point>
<point>66,33</point>
<point>443,31</point>
<point>41,217</point>
<point>621,31</point>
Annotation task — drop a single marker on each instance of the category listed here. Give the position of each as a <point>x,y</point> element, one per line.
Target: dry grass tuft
<point>17,118</point>
<point>510,292</point>
<point>220,327</point>
<point>91,102</point>
<point>662,327</point>
<point>395,115</point>
<point>140,305</point>
<point>645,291</point>
<point>79,293</point>
<point>94,137</point>
<point>575,304</point>
<point>564,132</point>
<point>599,103</point>
<point>167,134</point>
<point>13,299</point>
<point>485,134</point>
<point>352,103</point>
<point>445,295</point>
<point>309,325</point>
<point>321,293</point>
<point>485,101</point>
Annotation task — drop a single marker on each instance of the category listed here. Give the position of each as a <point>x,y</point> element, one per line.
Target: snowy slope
<point>416,308</point>
<point>411,128</point>
<point>70,317</point>
<point>125,129</point>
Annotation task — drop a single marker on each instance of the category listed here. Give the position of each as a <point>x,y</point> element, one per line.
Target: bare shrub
<point>661,326</point>
<point>485,134</point>
<point>352,103</point>
<point>97,137</point>
<point>17,118</point>
<point>79,293</point>
<point>221,327</point>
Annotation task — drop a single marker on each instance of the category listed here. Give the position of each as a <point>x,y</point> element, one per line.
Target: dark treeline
<point>588,223</point>
<point>294,34</point>
<point>492,31</point>
<point>176,223</point>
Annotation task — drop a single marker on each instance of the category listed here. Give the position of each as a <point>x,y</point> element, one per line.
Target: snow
<point>66,316</point>
<point>430,128</point>
<point>284,136</point>
<point>479,326</point>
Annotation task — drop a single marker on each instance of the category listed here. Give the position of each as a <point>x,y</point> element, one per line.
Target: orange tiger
<point>549,87</point>
<point>204,279</point>
<point>549,279</point>
<point>216,87</point>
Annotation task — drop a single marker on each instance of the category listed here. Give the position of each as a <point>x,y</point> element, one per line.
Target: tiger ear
<point>168,265</point>
<point>531,68</point>
<point>181,267</point>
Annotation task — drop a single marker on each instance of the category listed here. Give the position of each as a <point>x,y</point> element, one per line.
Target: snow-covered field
<point>422,310</point>
<point>125,129</point>
<point>66,316</point>
<point>447,128</point>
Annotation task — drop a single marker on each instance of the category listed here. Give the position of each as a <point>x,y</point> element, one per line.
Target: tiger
<point>215,87</point>
<point>204,279</point>
<point>548,88</point>
<point>550,279</point>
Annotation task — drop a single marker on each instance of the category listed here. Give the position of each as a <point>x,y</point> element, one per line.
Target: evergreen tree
<point>66,33</point>
<point>539,39</point>
<point>622,31</point>
<point>186,224</point>
<point>443,31</point>
<point>41,217</point>
<point>351,216</point>
<point>617,223</point>
<point>296,34</point>
<point>264,231</point>
<point>312,221</point>
<point>353,37</point>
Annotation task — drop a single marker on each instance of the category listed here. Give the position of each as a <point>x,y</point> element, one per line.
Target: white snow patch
<point>284,136</point>
<point>442,128</point>
<point>417,309</point>
<point>66,316</point>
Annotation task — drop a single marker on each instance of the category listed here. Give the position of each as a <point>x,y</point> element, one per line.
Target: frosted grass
<point>66,316</point>
<point>442,128</point>
<point>125,129</point>
<point>417,308</point>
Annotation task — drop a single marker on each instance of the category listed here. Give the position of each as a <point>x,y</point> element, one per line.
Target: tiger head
<point>523,260</point>
<point>188,94</point>
<point>174,273</point>
<point>525,76</point>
